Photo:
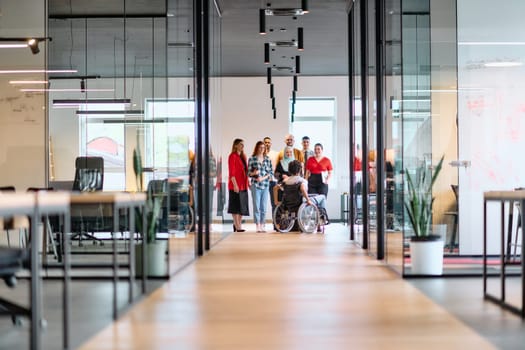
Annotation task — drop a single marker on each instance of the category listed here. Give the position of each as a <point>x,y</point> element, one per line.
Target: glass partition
<point>130,91</point>
<point>218,171</point>
<point>393,138</point>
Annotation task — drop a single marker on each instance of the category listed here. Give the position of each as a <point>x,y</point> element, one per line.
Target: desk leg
<point>36,313</point>
<point>144,251</point>
<point>66,293</point>
<point>502,247</point>
<point>115,262</point>
<point>131,252</point>
<point>484,247</point>
<point>522,308</point>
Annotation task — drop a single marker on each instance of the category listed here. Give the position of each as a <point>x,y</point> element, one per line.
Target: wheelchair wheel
<point>308,218</point>
<point>283,219</point>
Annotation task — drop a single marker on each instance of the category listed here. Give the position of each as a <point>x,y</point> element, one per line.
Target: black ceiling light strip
<point>271,91</point>
<point>273,103</point>
<point>274,114</point>
<point>300,39</point>
<point>266,53</point>
<point>295,83</point>
<point>262,21</point>
<point>297,64</point>
<point>293,98</point>
<point>269,75</point>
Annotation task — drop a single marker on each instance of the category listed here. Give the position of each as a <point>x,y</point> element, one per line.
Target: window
<point>315,117</point>
<point>167,126</point>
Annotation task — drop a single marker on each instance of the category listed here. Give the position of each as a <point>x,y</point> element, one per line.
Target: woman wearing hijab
<point>281,171</point>
<point>238,184</point>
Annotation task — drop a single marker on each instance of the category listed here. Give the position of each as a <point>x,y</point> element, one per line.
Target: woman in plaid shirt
<point>260,172</point>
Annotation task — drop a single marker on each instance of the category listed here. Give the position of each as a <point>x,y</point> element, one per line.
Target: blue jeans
<point>259,198</point>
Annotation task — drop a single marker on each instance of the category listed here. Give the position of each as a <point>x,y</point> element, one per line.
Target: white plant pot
<point>157,263</point>
<point>427,257</point>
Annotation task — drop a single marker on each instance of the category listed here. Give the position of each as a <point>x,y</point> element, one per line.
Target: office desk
<point>118,200</point>
<point>502,197</point>
<point>36,205</point>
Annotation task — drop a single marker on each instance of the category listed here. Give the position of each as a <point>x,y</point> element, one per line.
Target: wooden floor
<point>287,291</point>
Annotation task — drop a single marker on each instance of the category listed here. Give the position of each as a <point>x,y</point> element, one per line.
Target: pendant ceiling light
<point>304,6</point>
<point>300,39</point>
<point>262,21</point>
<point>266,53</point>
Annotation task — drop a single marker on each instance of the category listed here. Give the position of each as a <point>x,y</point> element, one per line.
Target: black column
<point>380,130</point>
<point>351,122</point>
<point>364,117</point>
<point>199,117</point>
<point>206,123</point>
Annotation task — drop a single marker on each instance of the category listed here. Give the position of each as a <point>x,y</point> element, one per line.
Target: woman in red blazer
<point>238,184</point>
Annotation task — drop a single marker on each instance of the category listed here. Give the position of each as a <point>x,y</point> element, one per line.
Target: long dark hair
<point>242,155</point>
<point>257,145</point>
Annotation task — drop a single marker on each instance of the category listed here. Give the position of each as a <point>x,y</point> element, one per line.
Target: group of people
<point>265,168</point>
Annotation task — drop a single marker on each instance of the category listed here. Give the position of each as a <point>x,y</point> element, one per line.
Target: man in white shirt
<point>307,152</point>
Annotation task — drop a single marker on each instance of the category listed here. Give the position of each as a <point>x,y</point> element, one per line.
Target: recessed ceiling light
<point>15,82</point>
<point>500,64</point>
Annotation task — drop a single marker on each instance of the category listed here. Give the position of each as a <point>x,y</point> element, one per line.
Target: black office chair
<point>18,222</point>
<point>11,261</point>
<point>89,177</point>
<point>89,174</point>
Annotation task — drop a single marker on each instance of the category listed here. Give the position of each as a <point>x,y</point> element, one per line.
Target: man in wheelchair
<point>308,211</point>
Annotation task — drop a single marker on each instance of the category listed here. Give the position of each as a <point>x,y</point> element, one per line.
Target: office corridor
<point>287,291</point>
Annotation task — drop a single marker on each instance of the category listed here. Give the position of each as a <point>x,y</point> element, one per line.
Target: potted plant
<point>155,250</point>
<point>426,249</point>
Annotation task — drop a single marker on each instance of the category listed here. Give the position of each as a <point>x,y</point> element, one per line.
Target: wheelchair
<point>291,210</point>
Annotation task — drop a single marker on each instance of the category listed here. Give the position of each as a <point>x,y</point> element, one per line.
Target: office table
<point>36,205</point>
<point>502,197</point>
<point>118,200</point>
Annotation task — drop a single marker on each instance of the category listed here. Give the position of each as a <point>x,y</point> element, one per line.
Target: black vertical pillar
<point>199,118</point>
<point>206,104</point>
<point>364,117</point>
<point>380,130</point>
<point>351,123</point>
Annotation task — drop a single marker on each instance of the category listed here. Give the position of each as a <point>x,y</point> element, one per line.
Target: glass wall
<point>23,104</point>
<point>217,171</point>
<point>129,90</point>
<point>419,109</point>
<point>393,138</point>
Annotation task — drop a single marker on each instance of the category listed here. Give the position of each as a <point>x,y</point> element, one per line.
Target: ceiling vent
<point>283,69</point>
<point>284,12</point>
<point>290,43</point>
